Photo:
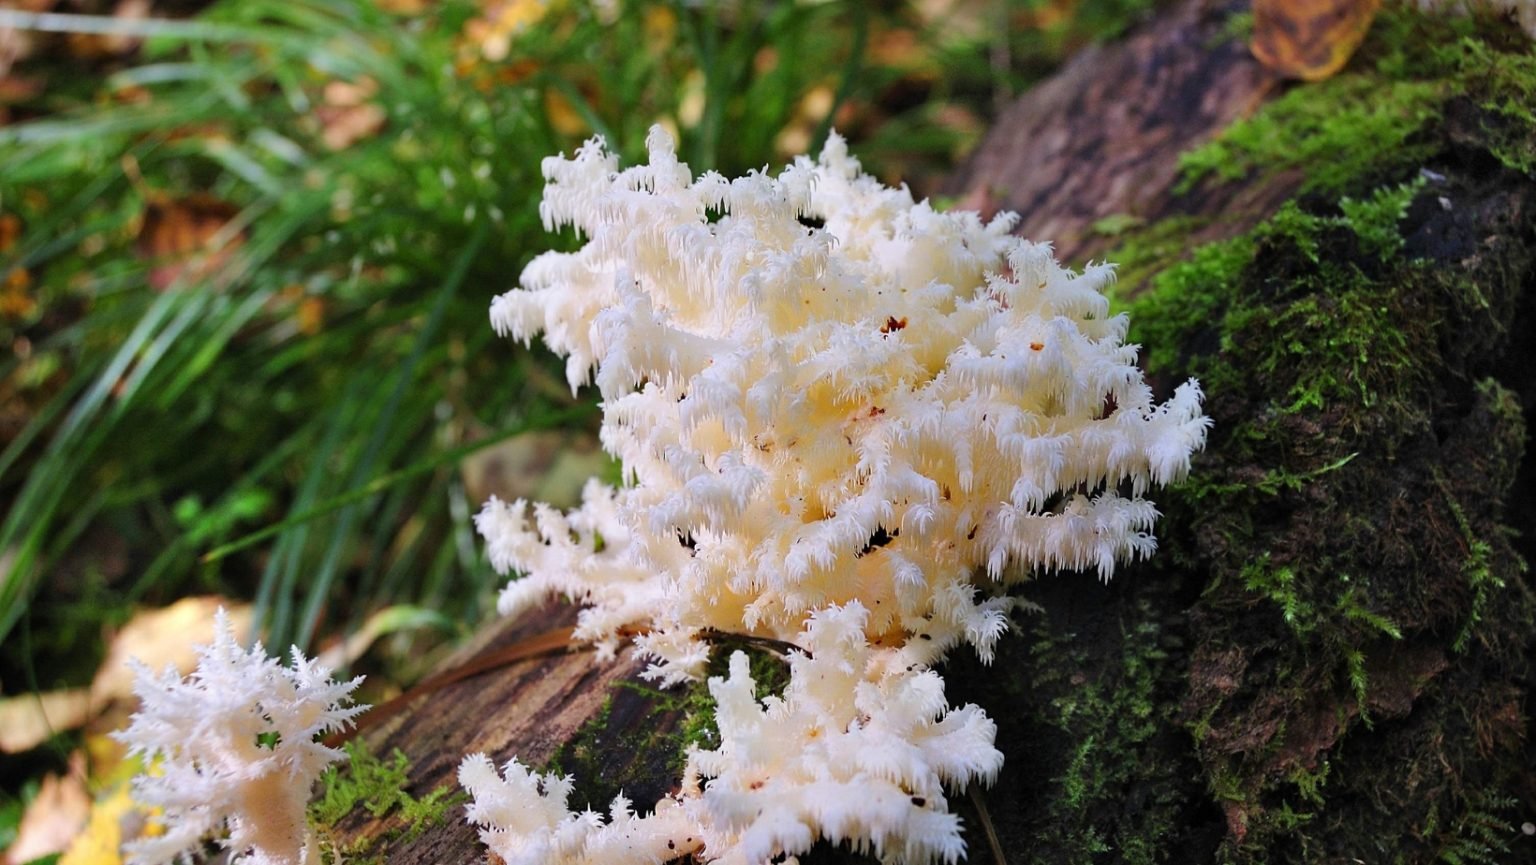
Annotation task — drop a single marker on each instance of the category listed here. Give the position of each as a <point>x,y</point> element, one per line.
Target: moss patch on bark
<point>375,792</point>
<point>1362,631</point>
<point>1328,659</point>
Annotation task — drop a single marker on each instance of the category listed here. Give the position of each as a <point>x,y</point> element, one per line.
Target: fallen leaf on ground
<point>403,7</point>
<point>349,114</point>
<point>502,22</point>
<point>29,720</point>
<point>16,300</point>
<point>55,817</point>
<point>85,46</point>
<point>544,466</point>
<point>102,841</point>
<point>167,636</point>
<point>157,638</point>
<point>563,115</point>
<point>187,237</point>
<point>1309,39</point>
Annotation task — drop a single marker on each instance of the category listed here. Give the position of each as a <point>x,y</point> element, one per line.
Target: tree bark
<point>1102,137</point>
<point>1329,658</point>
<point>533,709</point>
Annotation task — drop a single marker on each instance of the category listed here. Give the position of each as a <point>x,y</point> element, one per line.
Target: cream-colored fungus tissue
<point>847,421</point>
<point>233,752</point>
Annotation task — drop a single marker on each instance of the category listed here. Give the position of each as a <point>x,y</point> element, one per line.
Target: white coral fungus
<point>842,755</point>
<point>872,410</point>
<point>828,396</point>
<point>524,821</point>
<point>236,749</point>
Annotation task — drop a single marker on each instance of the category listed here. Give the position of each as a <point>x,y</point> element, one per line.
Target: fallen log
<point>1329,658</point>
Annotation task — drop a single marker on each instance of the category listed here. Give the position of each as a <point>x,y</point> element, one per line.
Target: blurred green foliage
<point>245,266</point>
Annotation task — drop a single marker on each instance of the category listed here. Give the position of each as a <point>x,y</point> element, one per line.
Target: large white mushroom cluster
<point>846,421</point>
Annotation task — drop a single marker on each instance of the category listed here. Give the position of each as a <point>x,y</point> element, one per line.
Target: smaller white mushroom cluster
<point>822,391</point>
<point>233,747</point>
<point>525,820</point>
<point>847,421</point>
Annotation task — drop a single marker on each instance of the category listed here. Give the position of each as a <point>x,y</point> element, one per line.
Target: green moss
<point>1337,132</point>
<point>1185,302</point>
<point>661,726</point>
<point>1117,224</point>
<point>1366,123</point>
<point>1238,28</point>
<point>1481,834</point>
<point>1145,250</point>
<point>1094,719</point>
<point>1341,522</point>
<point>1325,332</point>
<point>380,787</point>
<point>1375,219</point>
<point>1477,569</point>
<point>770,674</point>
<point>583,749</point>
<point>1505,84</point>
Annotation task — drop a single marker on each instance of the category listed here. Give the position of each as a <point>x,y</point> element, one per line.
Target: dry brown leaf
<point>167,636</point>
<point>503,21</point>
<point>157,638</point>
<point>305,313</point>
<point>310,315</point>
<point>542,466</point>
<point>55,817</point>
<point>348,114</point>
<point>1309,39</point>
<point>342,127</point>
<point>17,45</point>
<point>403,7</point>
<point>812,109</point>
<point>86,46</point>
<point>16,300</point>
<point>15,89</point>
<point>29,720</point>
<point>10,231</point>
<point>659,24</point>
<point>188,237</point>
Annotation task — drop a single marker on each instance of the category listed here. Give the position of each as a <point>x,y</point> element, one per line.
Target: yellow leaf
<point>101,842</point>
<point>563,116</point>
<point>1309,39</point>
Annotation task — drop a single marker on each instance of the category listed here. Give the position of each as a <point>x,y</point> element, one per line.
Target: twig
<point>986,825</point>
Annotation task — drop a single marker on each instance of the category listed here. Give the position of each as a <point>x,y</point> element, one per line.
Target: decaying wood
<point>1102,138</point>
<point>526,709</point>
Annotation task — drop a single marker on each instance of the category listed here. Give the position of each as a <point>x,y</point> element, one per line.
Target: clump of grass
<point>281,415</point>
<point>284,420</point>
<point>286,423</point>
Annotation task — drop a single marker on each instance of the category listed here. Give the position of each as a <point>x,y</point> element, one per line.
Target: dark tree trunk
<point>1328,660</point>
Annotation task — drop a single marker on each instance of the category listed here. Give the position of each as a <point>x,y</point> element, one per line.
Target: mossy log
<point>1329,659</point>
